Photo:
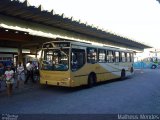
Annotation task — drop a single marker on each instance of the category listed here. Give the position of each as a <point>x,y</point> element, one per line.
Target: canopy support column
<point>20,57</point>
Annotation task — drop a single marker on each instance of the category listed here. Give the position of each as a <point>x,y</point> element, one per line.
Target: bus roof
<point>87,44</point>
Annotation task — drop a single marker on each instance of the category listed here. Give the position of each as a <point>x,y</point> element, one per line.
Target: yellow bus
<point>72,63</point>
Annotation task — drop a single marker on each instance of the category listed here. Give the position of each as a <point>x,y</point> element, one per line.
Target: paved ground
<point>139,94</point>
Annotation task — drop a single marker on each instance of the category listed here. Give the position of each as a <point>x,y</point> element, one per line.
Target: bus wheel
<point>123,74</point>
<point>153,66</point>
<point>91,80</point>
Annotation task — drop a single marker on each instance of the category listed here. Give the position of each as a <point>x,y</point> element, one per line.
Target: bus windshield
<point>55,59</point>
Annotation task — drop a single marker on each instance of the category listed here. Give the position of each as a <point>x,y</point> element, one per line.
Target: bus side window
<point>107,60</point>
<point>128,57</point>
<point>110,56</point>
<point>117,57</point>
<point>123,57</point>
<point>131,57</point>
<point>91,55</point>
<point>77,59</point>
<point>113,56</point>
<point>120,56</point>
<point>101,55</point>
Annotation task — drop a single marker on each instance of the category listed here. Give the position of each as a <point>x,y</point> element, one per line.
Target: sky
<point>138,20</point>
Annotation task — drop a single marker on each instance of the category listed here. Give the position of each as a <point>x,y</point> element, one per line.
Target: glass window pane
<point>101,55</point>
<point>56,59</point>
<point>110,57</point>
<point>116,56</point>
<point>123,57</point>
<point>77,59</point>
<point>91,55</point>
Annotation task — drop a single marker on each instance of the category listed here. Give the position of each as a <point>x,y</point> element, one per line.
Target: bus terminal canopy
<point>158,1</point>
<point>26,12</point>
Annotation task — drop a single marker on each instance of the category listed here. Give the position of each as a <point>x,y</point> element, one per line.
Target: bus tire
<point>153,66</point>
<point>91,80</point>
<point>123,74</point>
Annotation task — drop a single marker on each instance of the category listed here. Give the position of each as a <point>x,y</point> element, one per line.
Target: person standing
<point>29,68</point>
<point>20,74</point>
<point>9,75</point>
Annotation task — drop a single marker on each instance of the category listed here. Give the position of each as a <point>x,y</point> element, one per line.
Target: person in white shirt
<point>20,74</point>
<point>29,68</point>
<point>9,75</point>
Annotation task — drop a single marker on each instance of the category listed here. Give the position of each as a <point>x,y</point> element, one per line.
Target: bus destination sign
<point>62,44</point>
<point>56,44</point>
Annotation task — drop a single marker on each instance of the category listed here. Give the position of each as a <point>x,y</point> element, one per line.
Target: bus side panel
<point>112,71</point>
<point>80,77</point>
<point>104,71</point>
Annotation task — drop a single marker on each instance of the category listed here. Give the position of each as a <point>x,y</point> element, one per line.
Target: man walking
<point>29,68</point>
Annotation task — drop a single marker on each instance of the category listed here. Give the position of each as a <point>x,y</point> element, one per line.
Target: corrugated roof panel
<point>31,13</point>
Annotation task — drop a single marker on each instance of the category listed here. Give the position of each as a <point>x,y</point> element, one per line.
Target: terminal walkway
<point>22,88</point>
